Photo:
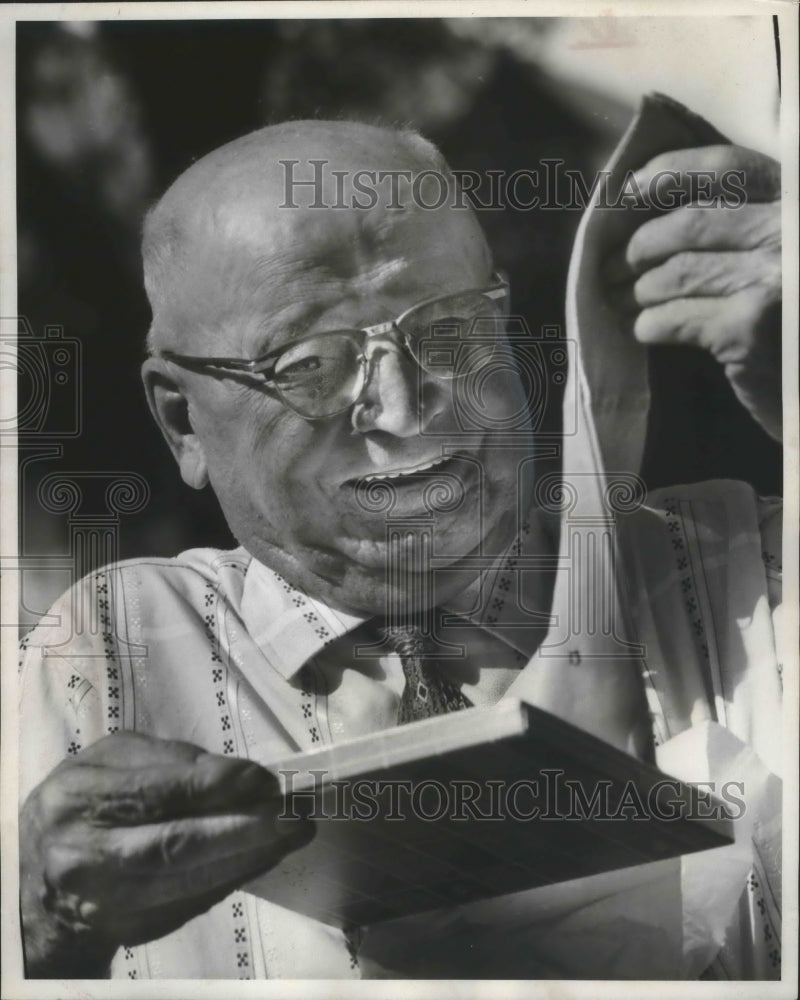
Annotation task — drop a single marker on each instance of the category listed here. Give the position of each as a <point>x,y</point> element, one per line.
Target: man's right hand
<point>133,837</point>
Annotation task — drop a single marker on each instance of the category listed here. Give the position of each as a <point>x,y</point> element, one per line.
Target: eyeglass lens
<point>321,376</point>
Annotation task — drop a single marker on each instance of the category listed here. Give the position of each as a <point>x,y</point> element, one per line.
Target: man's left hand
<point>708,273</point>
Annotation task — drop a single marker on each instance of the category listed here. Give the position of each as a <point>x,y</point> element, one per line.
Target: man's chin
<point>411,541</point>
<point>369,592</point>
<point>408,567</point>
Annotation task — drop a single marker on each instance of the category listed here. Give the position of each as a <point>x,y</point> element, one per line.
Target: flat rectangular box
<point>472,805</point>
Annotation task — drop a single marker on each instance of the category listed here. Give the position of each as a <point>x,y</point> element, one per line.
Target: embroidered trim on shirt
<point>308,692</point>
<point>241,937</point>
<point>768,915</point>
<point>762,921</point>
<point>24,642</point>
<point>693,602</point>
<point>110,651</point>
<point>131,963</point>
<point>73,684</point>
<point>312,618</point>
<point>218,669</point>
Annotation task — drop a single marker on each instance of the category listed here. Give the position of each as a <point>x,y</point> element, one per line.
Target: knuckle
<point>762,172</point>
<point>173,843</point>
<point>126,851</point>
<point>681,270</point>
<point>128,807</point>
<point>766,223</point>
<point>64,866</point>
<point>197,782</point>
<point>51,800</point>
<point>693,224</point>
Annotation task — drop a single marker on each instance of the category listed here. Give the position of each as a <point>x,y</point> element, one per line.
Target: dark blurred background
<point>109,113</point>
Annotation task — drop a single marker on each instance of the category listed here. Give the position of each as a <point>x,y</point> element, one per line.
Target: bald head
<point>318,195</point>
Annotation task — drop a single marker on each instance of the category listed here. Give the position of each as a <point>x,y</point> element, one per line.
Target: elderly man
<point>287,369</point>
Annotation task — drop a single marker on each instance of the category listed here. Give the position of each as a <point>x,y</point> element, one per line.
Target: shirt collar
<point>287,625</point>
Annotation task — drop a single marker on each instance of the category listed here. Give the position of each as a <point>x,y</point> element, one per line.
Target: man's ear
<point>170,408</point>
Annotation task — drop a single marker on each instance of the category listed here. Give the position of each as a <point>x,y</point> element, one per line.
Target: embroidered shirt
<point>215,648</point>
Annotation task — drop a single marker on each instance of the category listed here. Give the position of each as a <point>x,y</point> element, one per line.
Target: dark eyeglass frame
<point>264,366</point>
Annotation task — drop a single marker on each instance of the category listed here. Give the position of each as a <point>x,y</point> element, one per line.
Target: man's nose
<point>398,398</point>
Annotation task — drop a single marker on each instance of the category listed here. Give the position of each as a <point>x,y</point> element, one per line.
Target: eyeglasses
<point>323,374</point>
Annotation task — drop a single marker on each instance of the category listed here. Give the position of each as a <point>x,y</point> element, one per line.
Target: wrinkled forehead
<point>302,232</point>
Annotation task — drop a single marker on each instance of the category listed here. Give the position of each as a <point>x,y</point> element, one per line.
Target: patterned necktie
<point>426,692</point>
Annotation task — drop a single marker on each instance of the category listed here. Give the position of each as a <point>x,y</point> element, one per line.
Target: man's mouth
<point>406,489</point>
<point>409,470</point>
